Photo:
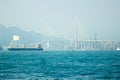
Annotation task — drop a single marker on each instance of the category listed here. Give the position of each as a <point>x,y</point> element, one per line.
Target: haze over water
<point>89,25</point>
<point>57,17</point>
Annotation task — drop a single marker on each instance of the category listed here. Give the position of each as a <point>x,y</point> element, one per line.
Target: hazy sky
<point>57,17</point>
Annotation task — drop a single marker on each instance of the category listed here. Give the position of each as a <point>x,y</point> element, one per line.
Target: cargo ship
<point>37,48</point>
<point>13,47</point>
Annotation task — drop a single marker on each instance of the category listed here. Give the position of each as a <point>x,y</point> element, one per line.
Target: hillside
<point>6,35</point>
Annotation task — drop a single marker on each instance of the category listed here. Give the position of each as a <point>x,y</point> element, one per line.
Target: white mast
<point>76,33</point>
<point>46,43</point>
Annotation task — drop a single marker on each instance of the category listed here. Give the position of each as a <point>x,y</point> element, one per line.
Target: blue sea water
<point>60,65</point>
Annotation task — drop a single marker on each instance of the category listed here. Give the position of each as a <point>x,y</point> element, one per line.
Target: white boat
<point>118,49</point>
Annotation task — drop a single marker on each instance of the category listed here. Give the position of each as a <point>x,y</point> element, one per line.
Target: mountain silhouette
<point>26,37</point>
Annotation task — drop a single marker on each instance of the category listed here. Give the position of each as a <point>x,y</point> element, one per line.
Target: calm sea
<point>60,65</point>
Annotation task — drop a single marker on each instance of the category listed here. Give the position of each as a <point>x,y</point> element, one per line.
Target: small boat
<point>118,49</point>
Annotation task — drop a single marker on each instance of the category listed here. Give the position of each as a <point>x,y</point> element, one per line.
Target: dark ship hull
<point>1,48</point>
<point>25,49</point>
